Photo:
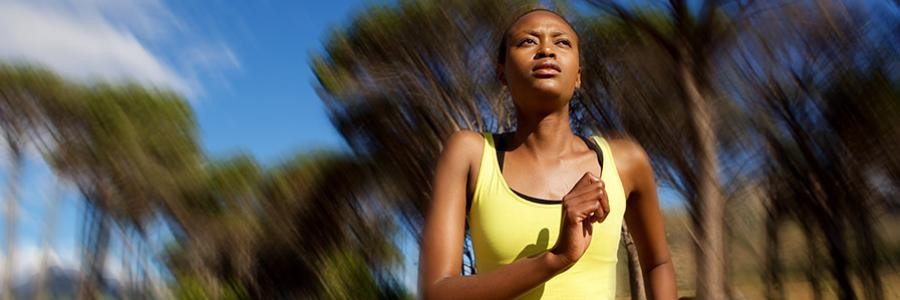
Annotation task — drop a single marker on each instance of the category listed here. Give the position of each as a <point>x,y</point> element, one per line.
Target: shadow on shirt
<point>531,250</point>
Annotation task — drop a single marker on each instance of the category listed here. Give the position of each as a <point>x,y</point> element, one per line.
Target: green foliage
<point>133,154</point>
<point>191,288</point>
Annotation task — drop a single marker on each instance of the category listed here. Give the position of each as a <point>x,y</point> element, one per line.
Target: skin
<point>545,160</point>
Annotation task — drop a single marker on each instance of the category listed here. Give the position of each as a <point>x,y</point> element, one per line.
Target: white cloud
<point>28,262</point>
<point>148,18</point>
<point>111,40</point>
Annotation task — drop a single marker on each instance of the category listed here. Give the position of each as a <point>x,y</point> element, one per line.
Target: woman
<point>525,245</point>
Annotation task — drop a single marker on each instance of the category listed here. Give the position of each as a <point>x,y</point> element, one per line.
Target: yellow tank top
<point>506,227</point>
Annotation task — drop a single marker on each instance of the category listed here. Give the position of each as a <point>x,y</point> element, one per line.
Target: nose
<point>545,52</point>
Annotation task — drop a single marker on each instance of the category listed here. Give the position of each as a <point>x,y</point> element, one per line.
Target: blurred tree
<point>656,66</point>
<point>126,148</point>
<point>216,240</point>
<point>132,154</point>
<point>313,217</point>
<point>21,90</point>
<point>827,114</point>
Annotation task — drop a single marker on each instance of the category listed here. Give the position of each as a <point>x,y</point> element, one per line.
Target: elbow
<point>431,289</point>
<point>657,264</point>
<point>427,292</point>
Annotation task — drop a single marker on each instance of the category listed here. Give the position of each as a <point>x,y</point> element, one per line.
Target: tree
<point>125,148</point>
<point>827,117</point>
<point>21,90</point>
<point>312,216</point>
<point>657,69</point>
<point>132,153</point>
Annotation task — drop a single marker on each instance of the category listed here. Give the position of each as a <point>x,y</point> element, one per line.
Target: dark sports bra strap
<point>596,149</point>
<point>500,148</point>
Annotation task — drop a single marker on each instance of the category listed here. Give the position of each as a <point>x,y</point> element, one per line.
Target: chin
<point>550,91</point>
<point>546,94</point>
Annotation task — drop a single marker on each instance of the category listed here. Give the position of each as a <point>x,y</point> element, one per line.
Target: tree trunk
<point>773,271</point>
<point>710,209</point>
<point>837,249</point>
<point>49,234</point>
<point>635,274</point>
<point>95,255</point>
<point>11,215</point>
<point>133,254</point>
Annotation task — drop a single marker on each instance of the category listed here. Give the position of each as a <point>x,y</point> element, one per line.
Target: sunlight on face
<point>542,67</point>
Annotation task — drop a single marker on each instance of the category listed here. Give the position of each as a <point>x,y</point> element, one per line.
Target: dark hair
<point>501,49</point>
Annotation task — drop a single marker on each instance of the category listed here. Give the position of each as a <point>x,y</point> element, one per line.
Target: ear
<point>578,79</point>
<point>500,75</point>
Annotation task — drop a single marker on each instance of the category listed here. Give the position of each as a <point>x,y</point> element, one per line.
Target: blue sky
<point>269,106</point>
<point>241,64</point>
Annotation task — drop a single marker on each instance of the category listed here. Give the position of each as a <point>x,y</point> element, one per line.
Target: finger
<point>592,178</point>
<point>605,201</point>
<point>586,209</point>
<point>585,180</point>
<point>604,205</point>
<point>591,189</point>
<point>587,197</point>
<point>594,217</point>
<point>600,212</point>
<point>579,212</point>
<point>601,198</point>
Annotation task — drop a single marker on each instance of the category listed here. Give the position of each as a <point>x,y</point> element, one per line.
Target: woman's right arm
<point>440,258</point>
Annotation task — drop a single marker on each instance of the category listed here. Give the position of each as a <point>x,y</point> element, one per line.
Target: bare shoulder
<point>464,142</point>
<point>628,153</point>
<point>464,138</point>
<point>632,162</point>
<point>461,158</point>
<point>462,150</point>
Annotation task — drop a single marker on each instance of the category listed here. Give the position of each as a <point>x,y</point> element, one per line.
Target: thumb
<point>593,178</point>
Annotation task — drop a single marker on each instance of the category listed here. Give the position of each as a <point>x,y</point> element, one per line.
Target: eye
<point>527,41</point>
<point>566,43</point>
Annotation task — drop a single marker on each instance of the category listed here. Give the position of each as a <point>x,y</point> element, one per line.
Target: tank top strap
<point>605,153</point>
<point>487,171</point>
<point>609,172</point>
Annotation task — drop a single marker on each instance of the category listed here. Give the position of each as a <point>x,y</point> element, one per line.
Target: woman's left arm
<point>644,219</point>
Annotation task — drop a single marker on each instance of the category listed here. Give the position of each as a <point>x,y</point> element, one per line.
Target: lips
<point>546,69</point>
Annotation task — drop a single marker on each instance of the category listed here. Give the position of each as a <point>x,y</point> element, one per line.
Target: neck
<point>544,135</point>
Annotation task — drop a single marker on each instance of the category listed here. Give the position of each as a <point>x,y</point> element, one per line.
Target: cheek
<point>518,62</point>
<point>575,68</point>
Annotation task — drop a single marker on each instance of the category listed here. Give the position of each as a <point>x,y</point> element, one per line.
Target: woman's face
<point>542,67</point>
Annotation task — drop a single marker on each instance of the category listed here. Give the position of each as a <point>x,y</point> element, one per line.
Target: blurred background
<point>284,149</point>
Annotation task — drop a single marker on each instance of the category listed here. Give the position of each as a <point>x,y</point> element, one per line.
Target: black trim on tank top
<point>500,146</point>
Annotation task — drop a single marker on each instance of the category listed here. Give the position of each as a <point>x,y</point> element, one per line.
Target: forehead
<point>540,21</point>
